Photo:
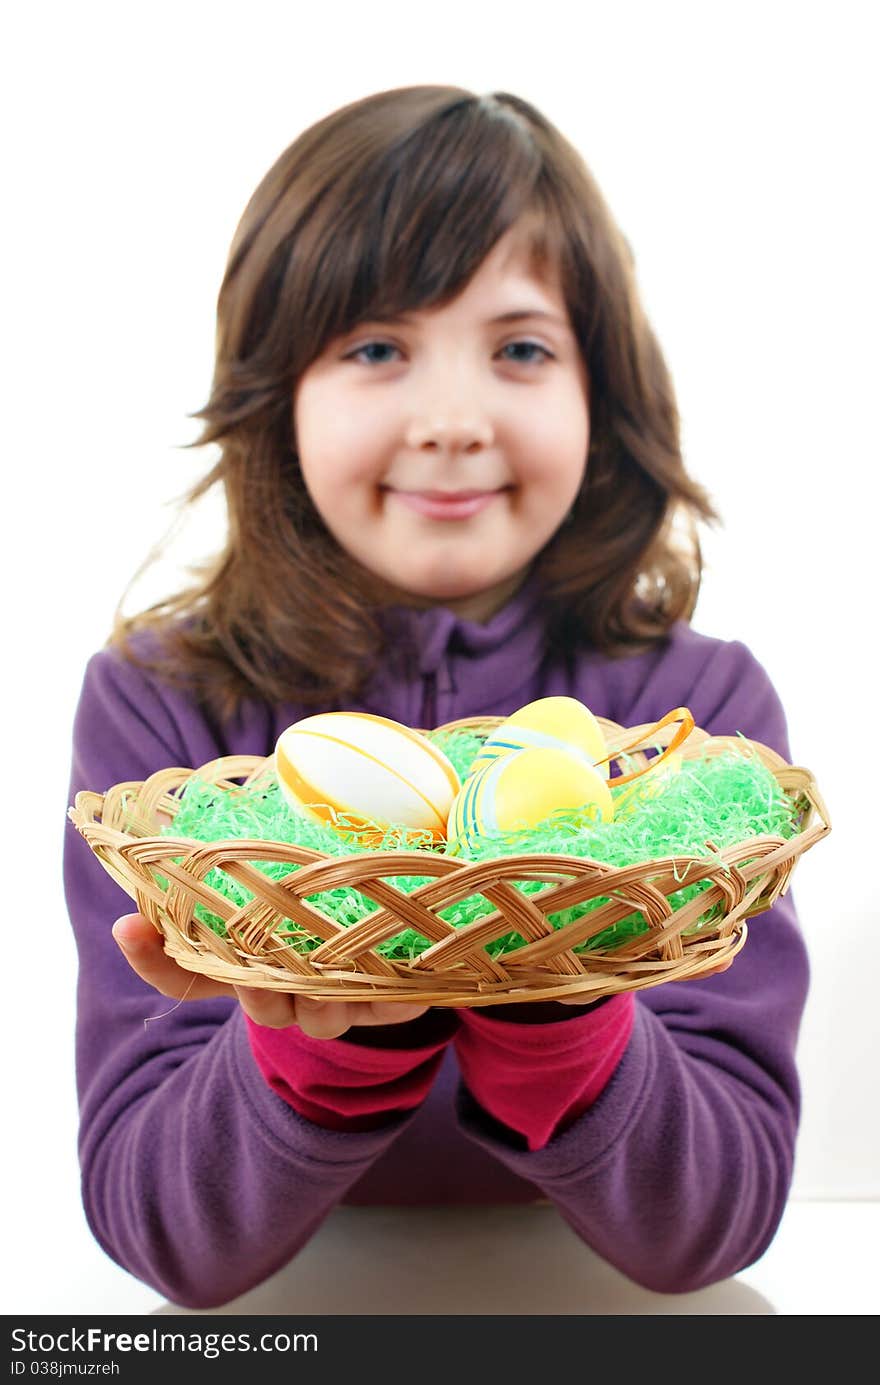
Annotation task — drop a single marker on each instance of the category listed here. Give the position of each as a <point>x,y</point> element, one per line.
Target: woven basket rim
<point>543,969</point>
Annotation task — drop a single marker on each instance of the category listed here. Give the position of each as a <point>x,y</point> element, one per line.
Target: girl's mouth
<point>446,504</point>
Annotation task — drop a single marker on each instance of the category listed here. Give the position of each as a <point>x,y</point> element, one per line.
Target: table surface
<point>512,1260</point>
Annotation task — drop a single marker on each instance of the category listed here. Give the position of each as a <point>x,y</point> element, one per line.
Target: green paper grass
<point>725,799</point>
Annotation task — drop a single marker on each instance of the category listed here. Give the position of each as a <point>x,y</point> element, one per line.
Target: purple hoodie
<point>201,1181</point>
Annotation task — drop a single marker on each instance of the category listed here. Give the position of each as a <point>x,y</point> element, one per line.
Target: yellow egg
<point>522,788</point>
<point>369,768</point>
<point>558,723</point>
<point>648,785</point>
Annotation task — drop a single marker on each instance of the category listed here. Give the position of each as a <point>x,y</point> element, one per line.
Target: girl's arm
<point>196,1177</point>
<point>679,1171</point>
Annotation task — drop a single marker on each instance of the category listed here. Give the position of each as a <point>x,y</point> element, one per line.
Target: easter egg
<point>520,789</point>
<point>369,768</point>
<point>558,723</point>
<point>653,781</point>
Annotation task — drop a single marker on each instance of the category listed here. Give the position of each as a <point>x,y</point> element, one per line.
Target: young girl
<point>450,450</point>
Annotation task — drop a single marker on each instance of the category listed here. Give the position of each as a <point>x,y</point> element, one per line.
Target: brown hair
<point>388,205</point>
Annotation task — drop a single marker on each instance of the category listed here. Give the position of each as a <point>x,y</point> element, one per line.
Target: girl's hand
<point>141,946</point>
<point>710,971</point>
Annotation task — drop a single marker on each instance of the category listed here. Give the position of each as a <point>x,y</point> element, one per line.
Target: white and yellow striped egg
<point>369,768</point>
<point>522,788</point>
<point>558,723</point>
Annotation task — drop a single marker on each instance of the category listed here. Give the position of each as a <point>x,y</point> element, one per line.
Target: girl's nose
<point>450,430</point>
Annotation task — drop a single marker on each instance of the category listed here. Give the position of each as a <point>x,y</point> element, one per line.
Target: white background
<point>736,145</point>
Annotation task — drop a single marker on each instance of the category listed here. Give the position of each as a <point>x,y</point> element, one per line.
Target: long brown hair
<point>388,205</point>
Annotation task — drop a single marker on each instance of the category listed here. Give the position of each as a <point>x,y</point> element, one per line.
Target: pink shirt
<point>533,1075</point>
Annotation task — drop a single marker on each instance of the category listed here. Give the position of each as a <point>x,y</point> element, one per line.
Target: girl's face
<point>443,451</point>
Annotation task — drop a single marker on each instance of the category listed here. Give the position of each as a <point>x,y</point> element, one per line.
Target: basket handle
<point>681,714</point>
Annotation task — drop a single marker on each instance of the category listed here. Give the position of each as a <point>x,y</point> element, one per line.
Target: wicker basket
<point>121,827</point>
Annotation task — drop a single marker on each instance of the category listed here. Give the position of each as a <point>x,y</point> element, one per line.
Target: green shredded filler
<point>723,799</point>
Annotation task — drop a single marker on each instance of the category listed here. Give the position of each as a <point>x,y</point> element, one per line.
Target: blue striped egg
<point>557,723</point>
<point>518,790</point>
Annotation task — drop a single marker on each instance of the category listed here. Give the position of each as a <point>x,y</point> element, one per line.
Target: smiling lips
<point>447,504</point>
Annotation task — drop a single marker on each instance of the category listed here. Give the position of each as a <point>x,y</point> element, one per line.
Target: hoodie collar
<point>473,663</point>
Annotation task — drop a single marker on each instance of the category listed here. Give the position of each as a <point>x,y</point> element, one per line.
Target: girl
<point>450,450</point>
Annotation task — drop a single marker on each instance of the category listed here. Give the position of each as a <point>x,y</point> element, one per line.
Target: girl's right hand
<point>141,945</point>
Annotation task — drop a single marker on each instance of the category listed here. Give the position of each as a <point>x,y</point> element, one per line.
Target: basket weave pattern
<point>121,826</point>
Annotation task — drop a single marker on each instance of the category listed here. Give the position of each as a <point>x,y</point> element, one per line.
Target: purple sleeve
<point>196,1177</point>
<point>679,1174</point>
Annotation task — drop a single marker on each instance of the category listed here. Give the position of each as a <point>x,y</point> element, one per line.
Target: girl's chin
<point>443,586</point>
<point>475,598</point>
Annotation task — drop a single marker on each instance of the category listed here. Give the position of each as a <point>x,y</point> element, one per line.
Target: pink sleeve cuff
<point>344,1084</point>
<point>536,1079</point>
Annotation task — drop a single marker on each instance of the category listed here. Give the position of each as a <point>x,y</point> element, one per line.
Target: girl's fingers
<point>273,1009</point>
<point>710,971</point>
<point>387,1012</point>
<point>141,945</point>
<point>714,971</point>
<point>322,1019</point>
<point>328,1019</point>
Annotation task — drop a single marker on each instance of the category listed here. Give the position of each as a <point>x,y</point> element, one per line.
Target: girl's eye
<point>389,346</point>
<point>530,346</point>
<point>368,346</point>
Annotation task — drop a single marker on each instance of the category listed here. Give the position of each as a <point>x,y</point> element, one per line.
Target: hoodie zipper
<point>428,718</point>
